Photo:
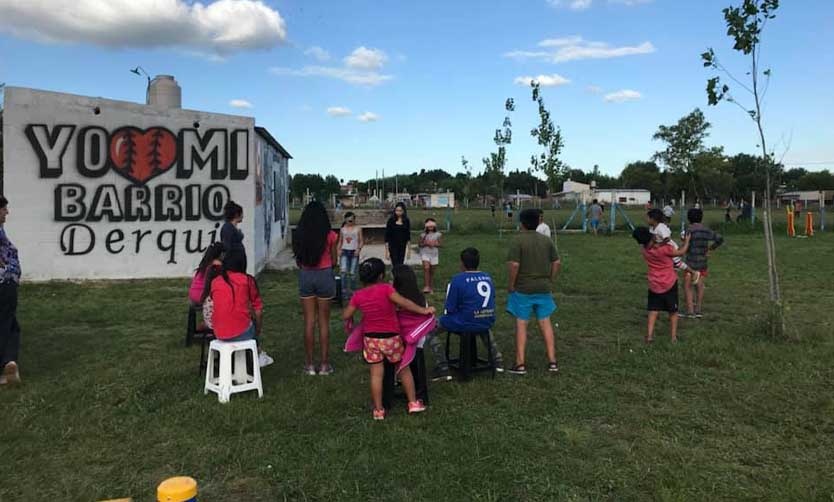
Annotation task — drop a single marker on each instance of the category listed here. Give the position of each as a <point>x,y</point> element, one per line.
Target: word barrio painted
<point>139,156</point>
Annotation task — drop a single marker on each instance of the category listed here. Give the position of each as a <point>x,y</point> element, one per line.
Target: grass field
<point>112,404</point>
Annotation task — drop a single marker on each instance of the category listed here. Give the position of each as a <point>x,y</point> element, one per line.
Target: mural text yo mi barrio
<point>139,156</point>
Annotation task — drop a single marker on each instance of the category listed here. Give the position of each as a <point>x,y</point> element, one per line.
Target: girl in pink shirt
<point>663,281</point>
<point>378,301</point>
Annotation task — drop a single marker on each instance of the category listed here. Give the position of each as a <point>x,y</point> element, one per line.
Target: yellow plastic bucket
<point>179,489</point>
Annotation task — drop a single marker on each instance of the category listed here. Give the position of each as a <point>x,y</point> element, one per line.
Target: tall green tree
<point>549,137</point>
<point>644,174</point>
<point>684,142</point>
<point>745,26</point>
<point>495,164</point>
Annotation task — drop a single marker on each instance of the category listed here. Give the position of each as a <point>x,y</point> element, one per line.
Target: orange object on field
<point>790,213</point>
<point>809,223</point>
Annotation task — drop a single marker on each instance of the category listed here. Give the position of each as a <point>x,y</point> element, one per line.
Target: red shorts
<point>378,349</point>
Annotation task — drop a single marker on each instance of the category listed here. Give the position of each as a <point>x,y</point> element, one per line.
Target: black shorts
<point>664,302</point>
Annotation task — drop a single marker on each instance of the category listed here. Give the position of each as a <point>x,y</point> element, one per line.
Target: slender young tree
<point>549,138</point>
<point>495,164</point>
<point>745,25</point>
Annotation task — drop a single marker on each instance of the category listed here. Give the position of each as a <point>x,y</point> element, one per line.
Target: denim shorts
<point>317,283</point>
<point>523,306</point>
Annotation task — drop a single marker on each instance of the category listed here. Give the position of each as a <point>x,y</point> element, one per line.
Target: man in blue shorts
<point>470,308</point>
<point>533,264</point>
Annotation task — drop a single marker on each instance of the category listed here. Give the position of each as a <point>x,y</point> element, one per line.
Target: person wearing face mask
<point>430,241</point>
<point>397,236</point>
<point>230,234</point>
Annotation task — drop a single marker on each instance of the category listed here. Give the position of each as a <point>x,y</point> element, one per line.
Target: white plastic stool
<point>230,382</point>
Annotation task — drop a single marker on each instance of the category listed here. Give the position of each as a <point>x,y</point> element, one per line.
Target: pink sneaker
<point>416,407</point>
<point>379,414</point>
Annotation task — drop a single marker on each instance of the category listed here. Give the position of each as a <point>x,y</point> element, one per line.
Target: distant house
<point>808,196</point>
<point>624,196</point>
<point>575,191</point>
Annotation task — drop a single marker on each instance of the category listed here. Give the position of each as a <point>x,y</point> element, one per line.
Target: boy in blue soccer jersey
<point>470,307</point>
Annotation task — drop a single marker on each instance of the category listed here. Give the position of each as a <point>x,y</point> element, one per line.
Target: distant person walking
<point>315,247</point>
<point>397,235</point>
<point>230,234</point>
<point>543,227</point>
<point>596,216</point>
<point>9,281</point>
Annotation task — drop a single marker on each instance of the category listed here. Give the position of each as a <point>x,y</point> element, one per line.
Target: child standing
<point>430,242</point>
<point>378,301</point>
<point>350,247</point>
<point>663,281</point>
<point>663,235</point>
<point>702,241</point>
<point>533,264</point>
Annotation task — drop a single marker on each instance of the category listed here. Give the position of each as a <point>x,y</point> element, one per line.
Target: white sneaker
<point>264,360</point>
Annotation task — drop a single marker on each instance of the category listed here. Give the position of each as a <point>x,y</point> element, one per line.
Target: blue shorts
<point>594,224</point>
<point>523,306</point>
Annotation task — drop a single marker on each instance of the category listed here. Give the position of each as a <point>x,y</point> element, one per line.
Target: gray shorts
<point>317,283</point>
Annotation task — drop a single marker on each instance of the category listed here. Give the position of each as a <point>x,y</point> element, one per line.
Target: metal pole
<point>753,209</point>
<point>822,211</point>
<point>682,208</point>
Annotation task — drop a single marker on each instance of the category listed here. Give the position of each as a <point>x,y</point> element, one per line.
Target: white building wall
<point>632,197</point>
<point>271,202</point>
<point>61,235</point>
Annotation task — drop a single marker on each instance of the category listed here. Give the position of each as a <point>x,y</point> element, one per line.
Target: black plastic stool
<point>467,361</point>
<point>191,331</point>
<point>418,371</point>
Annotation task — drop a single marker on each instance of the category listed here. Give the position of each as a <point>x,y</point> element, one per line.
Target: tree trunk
<point>776,318</point>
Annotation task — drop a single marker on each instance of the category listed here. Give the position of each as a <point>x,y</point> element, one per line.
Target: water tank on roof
<point>164,92</point>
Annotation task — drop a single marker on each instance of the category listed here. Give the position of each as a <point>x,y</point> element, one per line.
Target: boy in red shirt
<point>663,280</point>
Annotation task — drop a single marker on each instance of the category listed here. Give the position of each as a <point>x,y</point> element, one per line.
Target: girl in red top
<point>663,280</point>
<point>238,308</point>
<point>315,246</point>
<point>378,302</point>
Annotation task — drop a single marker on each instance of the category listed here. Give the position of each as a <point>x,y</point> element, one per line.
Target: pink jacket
<point>413,327</point>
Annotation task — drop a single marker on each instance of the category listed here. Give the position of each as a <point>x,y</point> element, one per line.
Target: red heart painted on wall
<point>142,155</point>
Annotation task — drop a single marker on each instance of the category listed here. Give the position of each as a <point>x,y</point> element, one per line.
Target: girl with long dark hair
<point>212,258</point>
<point>237,307</point>
<point>397,235</point>
<point>315,246</point>
<point>230,234</point>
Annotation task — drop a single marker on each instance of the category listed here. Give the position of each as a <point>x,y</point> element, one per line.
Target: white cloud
<point>552,80</point>
<point>361,67</point>
<point>369,78</point>
<point>575,48</point>
<point>368,117</point>
<point>571,4</point>
<point>240,103</point>
<point>317,53</point>
<point>560,42</point>
<point>630,3</point>
<point>338,111</point>
<point>218,27</point>
<point>363,58</point>
<point>622,96</point>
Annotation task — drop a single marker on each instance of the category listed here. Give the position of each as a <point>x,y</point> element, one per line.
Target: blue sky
<point>430,78</point>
